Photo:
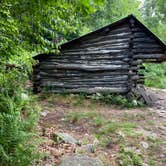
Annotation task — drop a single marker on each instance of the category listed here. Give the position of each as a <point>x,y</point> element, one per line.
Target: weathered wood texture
<point>107,61</point>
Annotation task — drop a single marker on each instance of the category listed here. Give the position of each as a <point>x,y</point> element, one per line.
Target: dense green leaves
<point>154,14</point>
<point>111,11</point>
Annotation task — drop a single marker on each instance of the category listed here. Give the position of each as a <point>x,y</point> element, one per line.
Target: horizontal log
<point>87,75</point>
<point>112,42</point>
<point>149,42</point>
<point>113,51</point>
<point>111,35</point>
<point>84,67</point>
<point>137,29</point>
<point>73,71</point>
<point>144,39</point>
<point>150,50</point>
<point>106,59</point>
<point>103,46</point>
<point>123,33</point>
<point>90,57</point>
<point>120,29</point>
<point>94,79</point>
<point>140,34</point>
<point>108,37</point>
<point>70,85</point>
<point>148,56</point>
<point>145,45</point>
<point>91,90</point>
<point>85,62</point>
<point>94,61</point>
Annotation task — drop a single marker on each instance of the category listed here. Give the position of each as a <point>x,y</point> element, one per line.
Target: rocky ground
<point>80,130</point>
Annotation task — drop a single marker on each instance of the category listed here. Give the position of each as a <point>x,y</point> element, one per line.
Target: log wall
<point>105,62</point>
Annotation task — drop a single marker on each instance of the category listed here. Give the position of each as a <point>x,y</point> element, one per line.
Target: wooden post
<point>131,82</point>
<point>36,78</point>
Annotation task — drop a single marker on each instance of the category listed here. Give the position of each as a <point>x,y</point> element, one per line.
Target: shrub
<point>155,75</point>
<point>115,100</point>
<point>18,117</point>
<point>127,157</point>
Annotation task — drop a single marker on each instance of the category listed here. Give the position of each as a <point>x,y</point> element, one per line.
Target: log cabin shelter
<point>106,60</point>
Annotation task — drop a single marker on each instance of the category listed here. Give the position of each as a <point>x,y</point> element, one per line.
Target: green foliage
<point>154,15</point>
<point>127,157</point>
<point>98,121</point>
<point>50,22</point>
<point>111,127</point>
<point>79,99</point>
<point>118,100</point>
<point>155,75</point>
<point>108,132</point>
<point>111,11</point>
<point>18,116</point>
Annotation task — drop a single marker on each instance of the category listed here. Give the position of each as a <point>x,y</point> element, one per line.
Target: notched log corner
<point>140,93</point>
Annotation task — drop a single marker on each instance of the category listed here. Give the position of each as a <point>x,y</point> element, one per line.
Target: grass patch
<point>108,132</point>
<point>81,99</point>
<point>133,117</point>
<point>112,127</point>
<point>119,100</point>
<point>74,117</point>
<point>127,157</point>
<point>98,121</point>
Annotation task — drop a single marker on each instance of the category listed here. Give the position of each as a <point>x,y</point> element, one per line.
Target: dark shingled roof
<point>107,27</point>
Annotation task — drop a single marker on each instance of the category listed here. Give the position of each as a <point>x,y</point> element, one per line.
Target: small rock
<point>44,113</point>
<point>24,96</point>
<point>162,128</point>
<point>162,156</point>
<point>144,144</point>
<point>64,137</point>
<point>79,160</point>
<point>135,103</point>
<point>121,134</point>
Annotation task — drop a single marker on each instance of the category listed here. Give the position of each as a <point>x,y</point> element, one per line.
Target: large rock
<point>64,137</point>
<point>79,160</point>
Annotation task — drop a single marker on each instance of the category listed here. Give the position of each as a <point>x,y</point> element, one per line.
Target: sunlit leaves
<point>46,23</point>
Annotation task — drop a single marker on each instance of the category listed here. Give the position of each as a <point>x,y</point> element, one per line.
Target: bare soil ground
<point>142,131</point>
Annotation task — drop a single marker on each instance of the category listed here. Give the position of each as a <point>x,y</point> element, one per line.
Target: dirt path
<point>121,134</point>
